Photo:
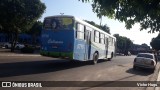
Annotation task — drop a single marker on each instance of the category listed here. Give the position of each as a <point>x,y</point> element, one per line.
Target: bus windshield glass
<point>58,23</point>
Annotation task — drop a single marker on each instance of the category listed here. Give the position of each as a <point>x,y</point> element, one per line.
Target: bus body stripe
<point>57,54</point>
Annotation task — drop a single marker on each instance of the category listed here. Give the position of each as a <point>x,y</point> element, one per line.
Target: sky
<point>84,12</point>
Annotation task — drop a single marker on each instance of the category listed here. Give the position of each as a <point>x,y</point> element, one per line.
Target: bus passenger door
<point>88,44</point>
<point>107,43</point>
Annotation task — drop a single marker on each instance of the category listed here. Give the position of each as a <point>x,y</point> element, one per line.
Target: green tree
<point>35,31</point>
<point>155,43</point>
<point>103,27</point>
<point>18,16</point>
<point>123,43</point>
<point>144,12</point>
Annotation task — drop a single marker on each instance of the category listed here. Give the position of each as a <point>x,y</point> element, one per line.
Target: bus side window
<point>106,39</point>
<point>76,25</point>
<point>87,29</point>
<point>96,36</point>
<point>102,41</point>
<point>109,41</point>
<point>113,42</point>
<point>80,31</point>
<point>92,36</point>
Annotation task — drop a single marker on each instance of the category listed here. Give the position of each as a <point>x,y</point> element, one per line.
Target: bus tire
<point>109,59</point>
<point>95,58</point>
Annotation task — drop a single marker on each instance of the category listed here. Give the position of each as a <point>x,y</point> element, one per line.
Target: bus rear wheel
<point>111,57</point>
<point>95,58</point>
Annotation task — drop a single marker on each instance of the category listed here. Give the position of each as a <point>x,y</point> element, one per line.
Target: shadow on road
<point>140,71</point>
<point>35,67</point>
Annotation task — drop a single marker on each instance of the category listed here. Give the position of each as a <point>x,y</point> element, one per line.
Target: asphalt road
<point>38,68</point>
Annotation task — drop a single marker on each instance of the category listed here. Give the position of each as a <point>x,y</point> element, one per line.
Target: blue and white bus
<point>65,36</point>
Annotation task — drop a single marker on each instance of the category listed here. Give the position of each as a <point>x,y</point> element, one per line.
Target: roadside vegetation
<point>18,16</point>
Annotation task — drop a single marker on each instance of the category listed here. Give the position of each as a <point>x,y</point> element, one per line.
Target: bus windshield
<point>58,23</point>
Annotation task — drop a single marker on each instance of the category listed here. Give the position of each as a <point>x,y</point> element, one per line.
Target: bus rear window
<point>58,23</point>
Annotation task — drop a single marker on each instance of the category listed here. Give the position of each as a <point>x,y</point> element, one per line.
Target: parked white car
<point>145,60</point>
<point>17,46</point>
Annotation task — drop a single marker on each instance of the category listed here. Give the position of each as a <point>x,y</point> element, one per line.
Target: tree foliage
<point>123,43</point>
<point>144,12</point>
<point>35,30</point>
<point>155,43</point>
<point>19,15</point>
<point>103,27</point>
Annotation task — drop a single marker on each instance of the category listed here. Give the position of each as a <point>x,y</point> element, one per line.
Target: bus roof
<point>91,26</point>
<point>69,16</point>
<point>82,22</point>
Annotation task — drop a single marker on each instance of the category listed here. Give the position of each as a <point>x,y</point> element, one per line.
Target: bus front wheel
<point>95,58</point>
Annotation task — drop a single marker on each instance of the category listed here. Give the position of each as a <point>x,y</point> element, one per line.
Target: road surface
<point>38,68</point>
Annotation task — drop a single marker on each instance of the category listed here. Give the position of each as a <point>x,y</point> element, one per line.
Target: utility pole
<point>100,20</point>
